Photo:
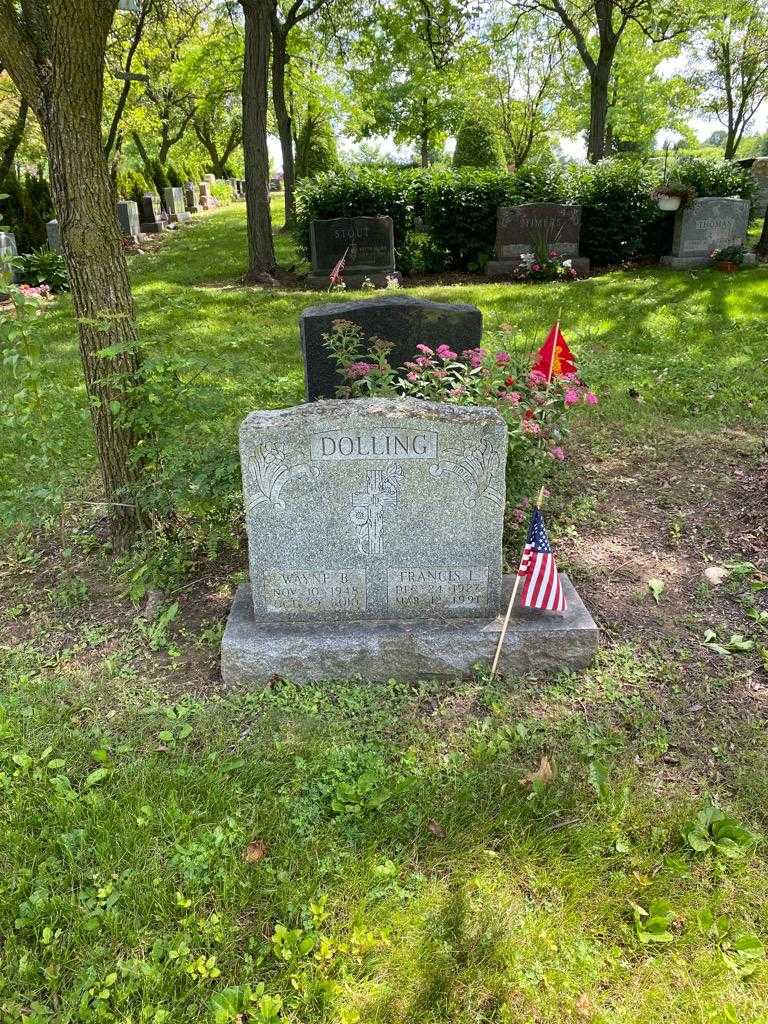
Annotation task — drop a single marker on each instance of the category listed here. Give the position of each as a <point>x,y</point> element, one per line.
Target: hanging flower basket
<point>669,202</point>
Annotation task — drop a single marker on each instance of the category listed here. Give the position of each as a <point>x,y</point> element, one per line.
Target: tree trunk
<point>12,140</point>
<point>261,251</point>
<point>731,145</point>
<point>599,81</point>
<point>762,245</point>
<point>69,109</point>
<point>283,117</point>
<point>141,148</point>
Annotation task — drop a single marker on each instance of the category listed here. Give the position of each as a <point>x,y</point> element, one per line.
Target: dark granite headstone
<point>150,214</point>
<point>403,321</point>
<point>536,228</point>
<point>369,245</point>
<point>704,225</point>
<point>54,235</point>
<point>128,218</point>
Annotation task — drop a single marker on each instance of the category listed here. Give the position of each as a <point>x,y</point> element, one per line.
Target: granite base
<point>180,218</point>
<point>253,652</point>
<point>508,267</point>
<point>152,227</point>
<point>690,262</point>
<point>353,282</point>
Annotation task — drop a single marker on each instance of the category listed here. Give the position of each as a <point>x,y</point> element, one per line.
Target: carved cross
<point>369,505</point>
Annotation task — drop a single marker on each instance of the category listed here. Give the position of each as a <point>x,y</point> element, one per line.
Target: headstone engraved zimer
<point>536,228</point>
<point>374,537</point>
<point>704,225</point>
<point>402,320</point>
<point>366,243</point>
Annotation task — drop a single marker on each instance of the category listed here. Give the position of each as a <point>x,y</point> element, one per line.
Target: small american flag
<point>336,274</point>
<point>541,587</point>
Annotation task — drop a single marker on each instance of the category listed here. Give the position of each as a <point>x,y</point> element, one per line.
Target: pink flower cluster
<point>40,291</point>
<point>356,371</point>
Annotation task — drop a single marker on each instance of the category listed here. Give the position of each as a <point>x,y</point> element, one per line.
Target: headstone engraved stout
<point>402,320</point>
<point>369,245</point>
<point>704,225</point>
<point>536,228</point>
<point>374,543</point>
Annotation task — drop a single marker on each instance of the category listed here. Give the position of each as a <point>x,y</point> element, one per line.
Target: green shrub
<point>26,210</point>
<point>222,191</point>
<point>478,143</point>
<point>132,185</point>
<point>316,150</point>
<point>716,178</point>
<point>42,266</point>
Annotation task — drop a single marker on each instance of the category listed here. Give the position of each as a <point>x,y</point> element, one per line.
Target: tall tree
<point>261,249</point>
<point>284,19</point>
<point>736,76</point>
<point>597,28</point>
<point>12,135</point>
<point>55,55</point>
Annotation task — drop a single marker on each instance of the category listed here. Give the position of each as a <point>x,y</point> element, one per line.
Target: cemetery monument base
<point>706,224</point>
<point>254,652</point>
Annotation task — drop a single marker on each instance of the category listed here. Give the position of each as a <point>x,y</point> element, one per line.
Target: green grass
<point>410,874</point>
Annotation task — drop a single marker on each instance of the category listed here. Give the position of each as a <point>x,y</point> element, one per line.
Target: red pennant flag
<point>557,363</point>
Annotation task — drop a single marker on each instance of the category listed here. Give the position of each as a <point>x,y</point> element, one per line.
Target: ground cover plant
<point>590,847</point>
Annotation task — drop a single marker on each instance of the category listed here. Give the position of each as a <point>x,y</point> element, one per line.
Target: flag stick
<point>554,348</point>
<point>505,624</point>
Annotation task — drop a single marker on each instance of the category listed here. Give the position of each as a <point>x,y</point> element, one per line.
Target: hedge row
<point>446,219</point>
<point>26,210</point>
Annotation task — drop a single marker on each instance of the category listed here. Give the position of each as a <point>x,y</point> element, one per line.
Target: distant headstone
<point>210,178</point>
<point>366,243</point>
<point>191,198</point>
<point>402,320</point>
<point>536,228</point>
<point>275,184</point>
<point>758,167</point>
<point>704,225</point>
<point>374,543</point>
<point>150,219</point>
<point>128,219</point>
<point>174,204</point>
<point>54,235</point>
<point>7,251</point>
<point>205,195</point>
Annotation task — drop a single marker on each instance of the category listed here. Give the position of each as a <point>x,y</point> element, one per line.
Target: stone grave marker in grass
<point>375,548</point>
<point>707,224</point>
<point>150,219</point>
<point>537,228</point>
<point>128,219</point>
<point>366,243</point>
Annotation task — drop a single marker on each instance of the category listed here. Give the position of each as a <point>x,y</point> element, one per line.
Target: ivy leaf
<point>656,588</point>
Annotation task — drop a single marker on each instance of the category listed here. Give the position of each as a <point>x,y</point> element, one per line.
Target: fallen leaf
<point>255,850</point>
<point>715,574</point>
<point>435,828</point>
<point>544,774</point>
<point>584,1006</point>
<point>656,588</point>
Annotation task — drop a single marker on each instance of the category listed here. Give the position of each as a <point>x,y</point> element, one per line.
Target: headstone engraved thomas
<point>536,228</point>
<point>369,245</point>
<point>402,320</point>
<point>374,537</point>
<point>704,225</point>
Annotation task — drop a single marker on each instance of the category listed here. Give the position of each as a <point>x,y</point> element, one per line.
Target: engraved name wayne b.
<point>373,444</point>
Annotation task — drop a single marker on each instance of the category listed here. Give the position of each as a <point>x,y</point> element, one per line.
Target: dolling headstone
<point>374,538</point>
<point>402,320</point>
<point>536,228</point>
<point>150,220</point>
<point>366,243</point>
<point>53,234</point>
<point>705,225</point>
<point>174,205</point>
<point>8,250</point>
<point>128,218</point>
<point>191,198</point>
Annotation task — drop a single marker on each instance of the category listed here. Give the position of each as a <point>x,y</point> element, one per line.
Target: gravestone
<point>174,205</point>
<point>128,219</point>
<point>205,195</point>
<point>275,184</point>
<point>191,198</point>
<point>369,245</point>
<point>536,228</point>
<point>704,225</point>
<point>54,235</point>
<point>8,250</point>
<point>403,321</point>
<point>210,178</point>
<point>150,220</point>
<point>374,538</point>
<point>758,167</point>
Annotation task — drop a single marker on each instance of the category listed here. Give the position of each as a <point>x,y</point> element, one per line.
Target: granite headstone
<point>205,195</point>
<point>174,205</point>
<point>7,251</point>
<point>191,198</point>
<point>536,228</point>
<point>402,320</point>
<point>150,214</point>
<point>366,243</point>
<point>374,538</point>
<point>704,225</point>
<point>128,218</point>
<point>53,235</point>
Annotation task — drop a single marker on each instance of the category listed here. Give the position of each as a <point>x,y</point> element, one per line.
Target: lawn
<point>512,851</point>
